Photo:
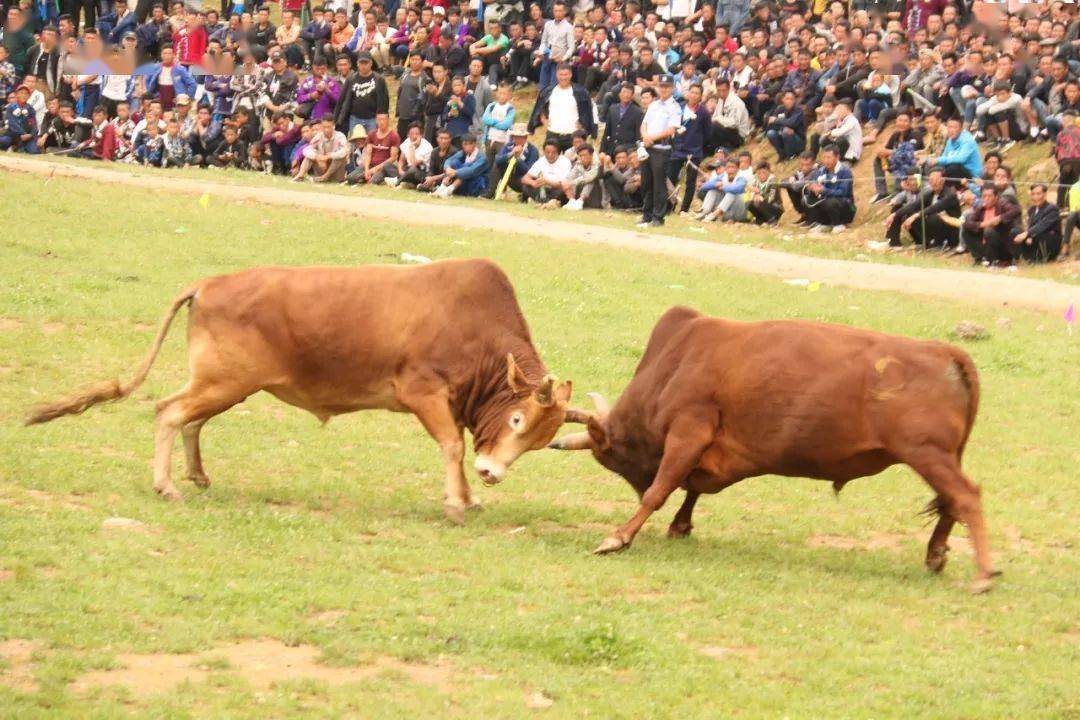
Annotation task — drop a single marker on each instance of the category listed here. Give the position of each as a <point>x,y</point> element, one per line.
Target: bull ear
<point>544,392</point>
<point>564,392</point>
<point>514,376</point>
<point>597,434</point>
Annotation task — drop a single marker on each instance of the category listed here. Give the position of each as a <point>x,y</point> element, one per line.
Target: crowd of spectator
<point>645,106</point>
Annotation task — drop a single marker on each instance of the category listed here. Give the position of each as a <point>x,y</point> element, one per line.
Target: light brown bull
<point>446,342</point>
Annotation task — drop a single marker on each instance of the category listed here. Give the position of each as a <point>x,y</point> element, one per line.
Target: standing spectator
<point>689,145</point>
<point>457,115</point>
<point>496,121</point>
<point>363,96</point>
<point>437,94</point>
<point>556,45</point>
<point>831,205</point>
<point>477,85</point>
<point>325,155</point>
<point>622,127</point>
<point>663,118</point>
<point>18,39</point>
<point>318,93</point>
<point>168,79</point>
<point>410,95</point>
<point>1067,154</point>
<point>1041,240</point>
<point>562,107</point>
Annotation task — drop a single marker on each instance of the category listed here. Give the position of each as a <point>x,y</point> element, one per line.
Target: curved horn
<point>602,407</point>
<point>544,390</point>
<point>574,441</point>
<point>577,415</point>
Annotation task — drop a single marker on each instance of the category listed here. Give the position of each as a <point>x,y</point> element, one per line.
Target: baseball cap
<point>667,79</point>
<point>363,56</point>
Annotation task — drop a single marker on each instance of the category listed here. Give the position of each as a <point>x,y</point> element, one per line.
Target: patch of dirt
<point>10,323</point>
<point>64,501</point>
<point>17,670</point>
<point>6,574</point>
<point>262,663</point>
<point>726,653</point>
<point>538,701</point>
<point>988,289</point>
<point>51,328</point>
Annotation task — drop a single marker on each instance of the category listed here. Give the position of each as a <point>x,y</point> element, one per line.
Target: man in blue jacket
<point>785,128</point>
<point>466,171</point>
<point>526,153</point>
<point>960,158</point>
<point>169,79</point>
<point>19,130</point>
<point>831,200</point>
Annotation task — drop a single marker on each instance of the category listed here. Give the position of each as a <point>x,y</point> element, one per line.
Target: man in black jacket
<point>363,96</point>
<point>622,125</point>
<point>922,218</point>
<point>1041,241</point>
<point>42,60</point>
<point>562,123</point>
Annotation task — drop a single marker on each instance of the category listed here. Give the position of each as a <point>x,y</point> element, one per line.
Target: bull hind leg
<point>189,408</point>
<point>938,548</point>
<point>958,501</point>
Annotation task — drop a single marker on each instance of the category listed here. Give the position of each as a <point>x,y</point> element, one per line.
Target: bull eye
<point>517,421</point>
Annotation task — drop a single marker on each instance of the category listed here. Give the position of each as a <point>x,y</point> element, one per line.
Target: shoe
<point>644,223</point>
<point>878,245</point>
<point>838,229</point>
<point>878,197</point>
<point>980,136</point>
<point>656,223</point>
<point>806,224</point>
<point>1013,268</point>
<point>1044,134</point>
<point>1034,132</point>
<point>575,204</point>
<point>392,181</point>
<point>817,227</point>
<point>1007,145</point>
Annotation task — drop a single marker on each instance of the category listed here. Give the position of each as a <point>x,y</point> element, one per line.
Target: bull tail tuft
<point>111,390</point>
<point>934,509</point>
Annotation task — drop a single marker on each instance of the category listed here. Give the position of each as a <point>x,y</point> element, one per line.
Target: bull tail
<point>110,390</point>
<point>969,376</point>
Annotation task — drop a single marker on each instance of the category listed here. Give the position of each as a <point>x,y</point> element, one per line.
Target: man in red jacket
<point>102,144</point>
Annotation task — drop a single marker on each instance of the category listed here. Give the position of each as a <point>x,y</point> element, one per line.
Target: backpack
<point>902,160</point>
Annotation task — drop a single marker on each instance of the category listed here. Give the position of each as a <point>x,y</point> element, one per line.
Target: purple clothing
<point>325,103</point>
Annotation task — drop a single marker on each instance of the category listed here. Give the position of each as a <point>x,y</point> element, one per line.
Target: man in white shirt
<point>325,154</point>
<point>731,121</point>
<point>413,159</point>
<point>663,118</point>
<point>847,135</point>
<point>544,183</point>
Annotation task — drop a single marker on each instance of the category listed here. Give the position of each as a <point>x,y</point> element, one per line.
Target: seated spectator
<point>766,204</point>
<point>204,137</point>
<point>66,132</point>
<point>1067,154</point>
<point>923,217</point>
<point>150,151</point>
<point>730,119</point>
<point>514,161</point>
<point>847,135</point>
<point>280,142</point>
<point>231,151</point>
<point>796,185</point>
<point>380,154</point>
<point>990,228</point>
<point>101,145</point>
<point>724,194</point>
<point>325,155</point>
<point>999,117</point>
<point>465,172</point>
<point>19,132</point>
<point>1072,221</point>
<point>960,158</point>
<point>582,188</point>
<point>544,182</point>
<point>829,197</point>
<point>444,149</point>
<point>899,154</point>
<point>785,128</point>
<point>621,180</point>
<point>413,158</point>
<point>1041,240</point>
<point>175,151</point>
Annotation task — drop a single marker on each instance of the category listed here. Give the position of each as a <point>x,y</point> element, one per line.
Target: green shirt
<point>503,42</point>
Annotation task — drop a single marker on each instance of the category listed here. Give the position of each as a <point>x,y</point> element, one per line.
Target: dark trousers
<point>832,211</point>
<point>564,140</point>
<point>722,137</point>
<point>928,232</point>
<point>994,245</point>
<point>654,191</point>
<point>88,8</point>
<point>543,194</point>
<point>1043,248</point>
<point>674,169</point>
<point>617,195</point>
<point>955,171</point>
<point>796,197</point>
<point>765,213</point>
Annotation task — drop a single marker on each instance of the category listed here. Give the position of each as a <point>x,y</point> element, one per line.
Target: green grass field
<point>786,602</point>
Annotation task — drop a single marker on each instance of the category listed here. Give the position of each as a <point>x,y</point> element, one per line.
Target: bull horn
<point>544,390</point>
<point>577,415</point>
<point>573,441</point>
<point>602,407</point>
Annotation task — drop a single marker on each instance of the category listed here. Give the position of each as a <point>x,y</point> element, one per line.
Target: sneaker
<point>878,197</point>
<point>576,204</point>
<point>1007,145</point>
<point>838,229</point>
<point>1013,268</point>
<point>1044,134</point>
<point>878,245</point>
<point>1034,132</point>
<point>643,223</point>
<point>656,223</point>
<point>980,136</point>
<point>817,227</point>
<point>392,181</point>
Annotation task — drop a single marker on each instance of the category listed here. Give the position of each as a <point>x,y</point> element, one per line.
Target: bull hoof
<point>936,559</point>
<point>982,585</point>
<point>200,480</point>
<point>455,513</point>
<point>169,493</point>
<point>679,530</point>
<point>611,544</point>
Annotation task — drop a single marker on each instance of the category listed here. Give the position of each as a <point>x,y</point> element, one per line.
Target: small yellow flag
<point>813,287</point>
<point>204,200</point>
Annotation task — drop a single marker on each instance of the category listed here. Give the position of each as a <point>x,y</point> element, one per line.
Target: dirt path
<point>990,289</point>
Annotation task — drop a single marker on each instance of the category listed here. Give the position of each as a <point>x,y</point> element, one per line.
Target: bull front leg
<point>432,408</point>
<point>687,440</point>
